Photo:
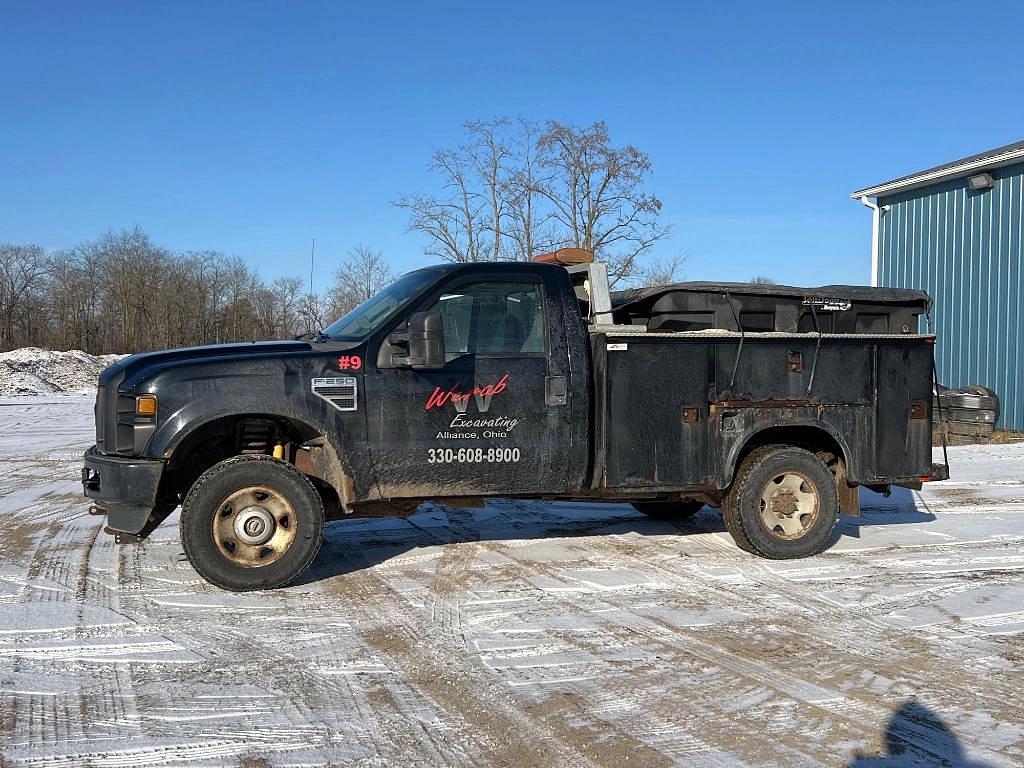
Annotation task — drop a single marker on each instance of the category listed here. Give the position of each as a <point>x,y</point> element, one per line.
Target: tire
<point>251,522</point>
<point>669,510</point>
<point>730,510</point>
<point>783,503</point>
<point>972,397</point>
<point>971,416</point>
<point>970,428</point>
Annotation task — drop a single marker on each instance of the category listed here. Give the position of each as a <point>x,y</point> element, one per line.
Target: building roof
<point>993,158</point>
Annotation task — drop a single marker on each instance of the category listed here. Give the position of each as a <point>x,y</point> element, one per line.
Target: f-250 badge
<point>460,397</point>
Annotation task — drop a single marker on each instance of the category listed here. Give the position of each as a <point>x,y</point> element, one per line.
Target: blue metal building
<point>957,232</point>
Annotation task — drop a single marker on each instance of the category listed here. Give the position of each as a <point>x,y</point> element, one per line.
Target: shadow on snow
<point>916,736</point>
<point>351,545</point>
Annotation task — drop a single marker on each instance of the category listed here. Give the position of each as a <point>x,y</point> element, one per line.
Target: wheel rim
<point>254,526</point>
<point>789,505</point>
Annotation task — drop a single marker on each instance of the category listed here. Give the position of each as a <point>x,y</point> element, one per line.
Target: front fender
<point>198,392</point>
<point>193,397</point>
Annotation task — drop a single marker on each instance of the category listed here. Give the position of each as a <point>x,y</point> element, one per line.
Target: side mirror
<point>425,340</point>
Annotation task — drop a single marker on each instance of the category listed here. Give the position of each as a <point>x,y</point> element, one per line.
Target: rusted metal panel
<point>853,395</point>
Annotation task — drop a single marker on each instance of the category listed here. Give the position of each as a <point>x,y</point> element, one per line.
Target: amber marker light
<point>145,405</point>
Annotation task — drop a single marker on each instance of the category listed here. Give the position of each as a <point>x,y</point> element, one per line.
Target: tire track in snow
<point>385,720</point>
<point>810,696</point>
<point>392,672</point>
<point>500,726</point>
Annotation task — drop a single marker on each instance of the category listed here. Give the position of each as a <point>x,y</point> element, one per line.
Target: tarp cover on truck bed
<point>760,307</point>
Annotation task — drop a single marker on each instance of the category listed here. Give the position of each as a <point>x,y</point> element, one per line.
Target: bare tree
<point>22,271</point>
<point>456,223</point>
<point>597,194</point>
<point>762,280</point>
<point>362,273</point>
<point>286,296</point>
<point>488,153</point>
<point>466,223</point>
<point>313,312</point>
<point>514,189</point>
<point>522,190</point>
<point>660,271</point>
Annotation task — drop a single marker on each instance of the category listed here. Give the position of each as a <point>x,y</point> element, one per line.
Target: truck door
<point>495,419</point>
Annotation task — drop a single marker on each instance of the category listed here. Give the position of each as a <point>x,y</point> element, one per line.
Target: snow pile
<point>34,371</point>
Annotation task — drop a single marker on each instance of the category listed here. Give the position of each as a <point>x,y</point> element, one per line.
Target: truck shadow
<point>352,545</point>
<point>914,736</point>
<point>902,507</point>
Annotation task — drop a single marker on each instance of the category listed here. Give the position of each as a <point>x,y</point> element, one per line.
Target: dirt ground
<point>520,634</point>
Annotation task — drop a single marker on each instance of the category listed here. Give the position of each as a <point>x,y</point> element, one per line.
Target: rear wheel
<point>669,510</point>
<point>782,504</point>
<point>251,522</point>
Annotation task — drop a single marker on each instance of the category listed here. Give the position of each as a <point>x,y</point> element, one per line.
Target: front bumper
<point>125,488</point>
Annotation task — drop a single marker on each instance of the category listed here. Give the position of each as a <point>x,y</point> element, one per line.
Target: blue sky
<point>252,127</point>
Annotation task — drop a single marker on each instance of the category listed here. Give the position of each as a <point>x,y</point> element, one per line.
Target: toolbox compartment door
<point>654,412</point>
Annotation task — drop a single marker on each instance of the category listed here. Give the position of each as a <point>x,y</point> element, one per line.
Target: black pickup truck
<point>527,380</point>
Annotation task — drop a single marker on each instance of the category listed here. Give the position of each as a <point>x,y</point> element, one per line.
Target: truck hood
<point>134,368</point>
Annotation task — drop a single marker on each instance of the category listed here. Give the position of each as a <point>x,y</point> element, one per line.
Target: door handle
<point>556,390</point>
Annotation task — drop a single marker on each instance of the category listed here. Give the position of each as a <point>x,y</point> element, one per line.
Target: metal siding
<point>965,248</point>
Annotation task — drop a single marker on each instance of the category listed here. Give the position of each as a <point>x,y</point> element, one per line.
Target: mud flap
<point>849,495</point>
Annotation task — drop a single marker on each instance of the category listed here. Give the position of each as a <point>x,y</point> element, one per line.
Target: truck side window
<point>492,318</point>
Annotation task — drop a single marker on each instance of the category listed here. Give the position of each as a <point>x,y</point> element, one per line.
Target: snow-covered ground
<point>520,634</point>
<point>34,371</point>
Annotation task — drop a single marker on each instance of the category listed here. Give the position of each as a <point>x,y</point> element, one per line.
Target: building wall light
<point>981,181</point>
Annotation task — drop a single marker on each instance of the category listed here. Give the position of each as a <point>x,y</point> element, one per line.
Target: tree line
<point>123,293</point>
<point>511,190</point>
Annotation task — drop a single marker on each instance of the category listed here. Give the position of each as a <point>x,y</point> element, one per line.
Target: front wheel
<point>251,522</point>
<point>783,503</point>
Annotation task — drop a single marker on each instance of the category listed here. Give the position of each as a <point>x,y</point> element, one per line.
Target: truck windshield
<point>360,321</point>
